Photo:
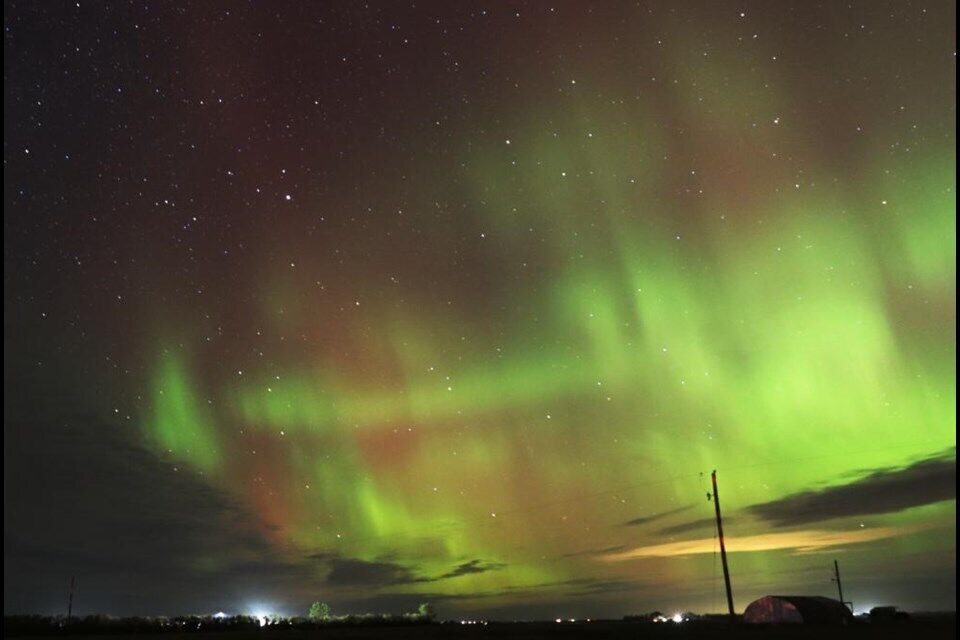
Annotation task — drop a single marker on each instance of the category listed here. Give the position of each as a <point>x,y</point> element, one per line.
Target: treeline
<point>35,625</point>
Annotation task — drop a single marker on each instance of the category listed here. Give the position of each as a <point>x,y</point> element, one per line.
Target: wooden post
<point>723,547</point>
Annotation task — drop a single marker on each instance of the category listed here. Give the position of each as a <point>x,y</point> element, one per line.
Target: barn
<point>797,610</point>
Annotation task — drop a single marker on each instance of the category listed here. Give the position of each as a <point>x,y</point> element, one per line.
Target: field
<point>917,629</point>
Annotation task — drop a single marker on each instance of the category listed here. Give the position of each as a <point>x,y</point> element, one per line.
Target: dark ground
<point>940,627</point>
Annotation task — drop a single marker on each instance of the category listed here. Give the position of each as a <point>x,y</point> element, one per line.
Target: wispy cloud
<point>694,525</point>
<point>642,520</point>
<point>805,541</point>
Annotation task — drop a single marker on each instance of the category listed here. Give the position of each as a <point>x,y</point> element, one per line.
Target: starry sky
<point>383,303</point>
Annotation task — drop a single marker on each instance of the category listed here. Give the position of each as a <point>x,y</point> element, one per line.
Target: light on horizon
<point>262,613</point>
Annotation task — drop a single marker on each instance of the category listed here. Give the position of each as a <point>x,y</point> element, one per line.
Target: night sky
<point>460,302</point>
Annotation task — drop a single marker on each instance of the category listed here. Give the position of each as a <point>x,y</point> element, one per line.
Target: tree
<point>319,611</point>
<point>426,611</point>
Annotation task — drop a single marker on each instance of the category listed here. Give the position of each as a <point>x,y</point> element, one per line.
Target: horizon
<point>268,618</point>
<point>462,303</point>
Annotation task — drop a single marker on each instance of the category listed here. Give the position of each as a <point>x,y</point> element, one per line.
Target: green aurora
<point>637,329</point>
<point>377,305</point>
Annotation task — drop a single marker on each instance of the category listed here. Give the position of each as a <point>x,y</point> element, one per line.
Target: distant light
<point>677,617</point>
<point>219,615</point>
<point>262,614</point>
<point>559,620</point>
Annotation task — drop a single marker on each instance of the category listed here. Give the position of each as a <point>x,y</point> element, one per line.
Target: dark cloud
<point>92,502</point>
<point>353,572</point>
<point>692,525</point>
<point>642,520</point>
<point>473,566</point>
<point>882,491</point>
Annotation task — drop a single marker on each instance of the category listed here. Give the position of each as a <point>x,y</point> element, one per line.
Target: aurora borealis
<point>462,303</point>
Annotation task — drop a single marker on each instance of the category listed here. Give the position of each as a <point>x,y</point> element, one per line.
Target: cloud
<point>693,525</point>
<point>804,541</point>
<point>642,520</point>
<point>353,572</point>
<point>93,502</point>
<point>474,566</point>
<point>882,491</point>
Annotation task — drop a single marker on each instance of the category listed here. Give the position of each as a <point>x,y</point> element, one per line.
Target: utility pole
<point>836,578</point>
<point>73,585</point>
<point>723,547</point>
